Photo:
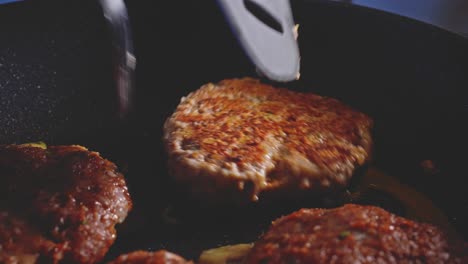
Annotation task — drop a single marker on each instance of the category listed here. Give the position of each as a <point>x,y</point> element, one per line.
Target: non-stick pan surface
<point>411,78</point>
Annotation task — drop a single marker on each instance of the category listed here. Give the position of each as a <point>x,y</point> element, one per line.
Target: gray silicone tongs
<point>116,16</point>
<point>266,30</point>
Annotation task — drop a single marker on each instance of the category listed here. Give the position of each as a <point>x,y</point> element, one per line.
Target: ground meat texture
<point>242,136</point>
<point>354,234</point>
<point>58,204</point>
<point>146,257</point>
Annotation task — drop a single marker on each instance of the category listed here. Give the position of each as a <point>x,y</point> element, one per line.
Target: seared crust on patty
<point>146,257</point>
<point>58,204</point>
<point>353,234</point>
<point>241,132</point>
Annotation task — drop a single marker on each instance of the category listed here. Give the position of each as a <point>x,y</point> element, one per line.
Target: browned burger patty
<point>145,257</point>
<point>58,204</point>
<point>353,234</point>
<point>240,133</point>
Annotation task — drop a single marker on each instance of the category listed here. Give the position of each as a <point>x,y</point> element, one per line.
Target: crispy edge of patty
<point>72,197</point>
<point>148,257</point>
<point>285,168</point>
<point>354,233</point>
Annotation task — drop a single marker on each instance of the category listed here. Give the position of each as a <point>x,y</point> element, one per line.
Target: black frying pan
<point>412,78</point>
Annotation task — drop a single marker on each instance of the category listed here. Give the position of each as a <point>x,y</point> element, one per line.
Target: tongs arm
<point>267,32</point>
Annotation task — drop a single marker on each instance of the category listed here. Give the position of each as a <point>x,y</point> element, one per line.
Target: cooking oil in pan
<point>375,188</point>
<point>415,205</point>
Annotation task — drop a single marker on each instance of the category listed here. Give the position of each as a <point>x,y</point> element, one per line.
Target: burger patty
<point>244,135</point>
<point>58,204</point>
<point>145,257</point>
<point>354,234</point>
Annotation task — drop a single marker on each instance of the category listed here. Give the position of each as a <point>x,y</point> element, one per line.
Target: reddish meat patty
<point>58,204</point>
<point>241,136</point>
<point>354,234</point>
<point>145,257</point>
